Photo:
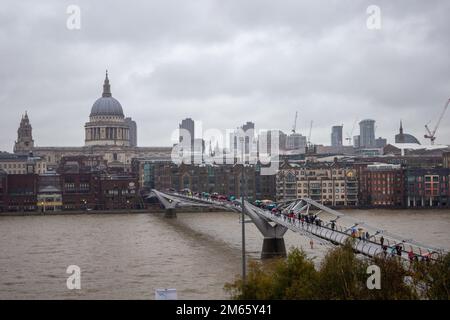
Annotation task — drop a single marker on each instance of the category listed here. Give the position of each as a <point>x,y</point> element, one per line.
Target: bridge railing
<point>325,231</point>
<point>374,240</point>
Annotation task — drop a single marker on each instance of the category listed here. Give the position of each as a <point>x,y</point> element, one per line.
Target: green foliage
<point>434,278</point>
<point>439,273</point>
<point>342,275</point>
<point>279,279</point>
<point>296,277</point>
<point>393,284</point>
<point>258,285</point>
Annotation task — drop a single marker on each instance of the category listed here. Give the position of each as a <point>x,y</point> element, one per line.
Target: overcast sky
<point>224,63</point>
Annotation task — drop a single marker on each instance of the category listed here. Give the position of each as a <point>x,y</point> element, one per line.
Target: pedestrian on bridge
<point>411,255</point>
<point>384,249</point>
<point>382,240</point>
<point>398,248</point>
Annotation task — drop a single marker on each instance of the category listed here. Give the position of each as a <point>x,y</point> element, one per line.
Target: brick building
<point>427,187</point>
<point>87,183</point>
<point>21,192</point>
<point>223,179</point>
<point>382,185</point>
<point>80,183</point>
<point>3,190</point>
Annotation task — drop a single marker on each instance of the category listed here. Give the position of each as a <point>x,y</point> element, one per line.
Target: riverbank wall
<point>100,212</point>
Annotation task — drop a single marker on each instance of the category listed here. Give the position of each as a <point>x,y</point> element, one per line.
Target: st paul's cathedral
<point>108,133</point>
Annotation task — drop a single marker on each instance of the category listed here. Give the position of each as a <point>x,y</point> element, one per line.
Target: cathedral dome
<point>406,138</point>
<point>106,105</point>
<point>402,137</point>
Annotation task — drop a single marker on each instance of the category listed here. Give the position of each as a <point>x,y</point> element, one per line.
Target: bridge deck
<point>366,247</point>
<point>338,235</point>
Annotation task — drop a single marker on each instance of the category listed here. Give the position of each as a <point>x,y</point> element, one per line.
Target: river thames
<point>128,256</point>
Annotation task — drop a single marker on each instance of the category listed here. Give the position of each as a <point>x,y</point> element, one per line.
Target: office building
<point>336,136</point>
<point>367,133</point>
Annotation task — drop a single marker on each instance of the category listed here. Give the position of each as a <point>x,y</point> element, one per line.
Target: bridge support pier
<point>170,213</point>
<point>273,248</point>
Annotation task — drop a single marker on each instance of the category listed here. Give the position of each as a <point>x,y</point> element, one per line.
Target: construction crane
<point>295,122</point>
<point>309,135</point>
<point>349,135</point>
<point>432,134</point>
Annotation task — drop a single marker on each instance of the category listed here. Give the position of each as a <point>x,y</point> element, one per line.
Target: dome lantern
<point>106,105</point>
<point>106,87</point>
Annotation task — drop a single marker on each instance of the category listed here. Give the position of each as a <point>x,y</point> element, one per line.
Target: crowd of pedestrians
<point>311,219</point>
<point>358,233</point>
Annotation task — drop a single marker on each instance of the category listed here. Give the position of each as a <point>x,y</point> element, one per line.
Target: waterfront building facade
<point>382,185</point>
<point>226,180</point>
<point>427,187</point>
<point>145,171</point>
<point>3,189</point>
<point>20,192</point>
<point>326,183</point>
<point>22,163</point>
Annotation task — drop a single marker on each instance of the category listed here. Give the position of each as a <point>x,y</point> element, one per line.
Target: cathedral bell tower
<point>25,142</point>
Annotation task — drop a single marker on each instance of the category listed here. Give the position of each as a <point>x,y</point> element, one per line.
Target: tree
<point>291,278</point>
<point>433,278</point>
<point>394,280</point>
<point>343,275</point>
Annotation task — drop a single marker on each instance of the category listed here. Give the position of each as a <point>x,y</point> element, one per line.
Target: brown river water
<point>128,256</point>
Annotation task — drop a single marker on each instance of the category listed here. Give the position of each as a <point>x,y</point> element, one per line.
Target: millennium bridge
<point>322,223</point>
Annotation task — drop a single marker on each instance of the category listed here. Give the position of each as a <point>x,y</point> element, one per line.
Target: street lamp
<point>243,186</point>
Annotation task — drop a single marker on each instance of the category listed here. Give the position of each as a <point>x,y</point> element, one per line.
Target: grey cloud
<point>224,63</point>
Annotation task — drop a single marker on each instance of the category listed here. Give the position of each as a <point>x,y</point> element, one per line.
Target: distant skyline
<point>225,63</point>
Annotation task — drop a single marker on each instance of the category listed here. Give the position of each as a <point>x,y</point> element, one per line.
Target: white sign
<point>166,294</point>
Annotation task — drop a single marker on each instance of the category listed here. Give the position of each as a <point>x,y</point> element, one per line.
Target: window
<point>290,178</point>
<point>69,186</point>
